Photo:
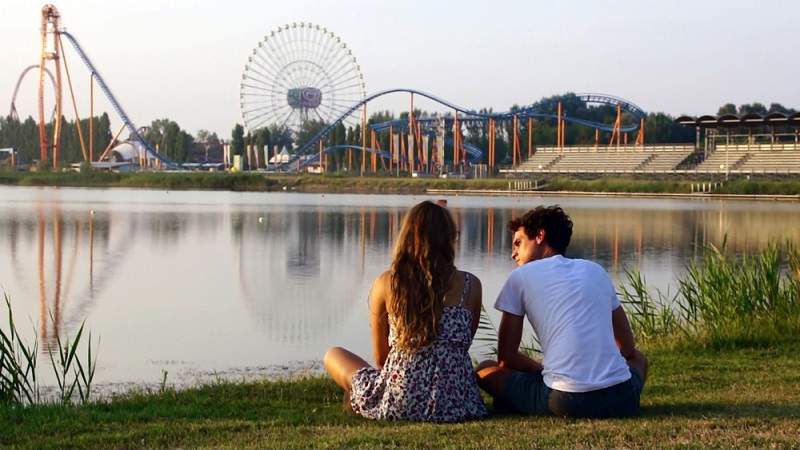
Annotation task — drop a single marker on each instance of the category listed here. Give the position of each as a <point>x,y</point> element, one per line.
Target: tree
<point>728,108</point>
<point>281,136</point>
<point>754,108</point>
<point>308,130</point>
<point>237,140</point>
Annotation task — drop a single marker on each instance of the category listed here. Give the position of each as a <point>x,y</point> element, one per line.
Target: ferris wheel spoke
<point>335,83</point>
<point>322,119</point>
<point>267,116</point>
<point>262,122</point>
<point>287,47</point>
<point>270,56</point>
<point>274,57</point>
<point>272,74</point>
<point>326,68</point>
<point>334,111</point>
<point>338,65</point>
<point>279,45</point>
<point>305,47</point>
<point>263,110</point>
<point>261,78</point>
<point>344,79</point>
<point>288,117</point>
<point>319,43</point>
<point>263,89</point>
<point>294,80</point>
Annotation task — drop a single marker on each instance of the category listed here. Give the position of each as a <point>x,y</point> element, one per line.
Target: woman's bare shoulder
<point>382,282</point>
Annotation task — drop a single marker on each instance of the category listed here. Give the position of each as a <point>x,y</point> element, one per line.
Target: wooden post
<point>321,161</point>
<point>91,117</point>
<point>558,128</point>
<point>363,139</point>
<point>391,149</point>
<point>530,137</point>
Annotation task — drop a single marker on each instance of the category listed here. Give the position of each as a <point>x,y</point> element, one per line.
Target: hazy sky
<point>183,59</point>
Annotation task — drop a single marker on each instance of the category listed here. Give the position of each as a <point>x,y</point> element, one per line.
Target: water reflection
<point>258,279</point>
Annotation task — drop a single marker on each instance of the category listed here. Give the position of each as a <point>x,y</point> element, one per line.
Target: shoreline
<point>695,195</point>
<point>785,190</point>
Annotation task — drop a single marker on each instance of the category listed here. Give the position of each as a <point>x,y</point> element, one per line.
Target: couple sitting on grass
<point>424,313</point>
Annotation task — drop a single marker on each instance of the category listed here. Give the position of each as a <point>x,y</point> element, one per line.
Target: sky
<point>183,59</point>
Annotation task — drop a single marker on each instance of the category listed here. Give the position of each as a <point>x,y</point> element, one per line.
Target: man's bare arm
<point>509,338</point>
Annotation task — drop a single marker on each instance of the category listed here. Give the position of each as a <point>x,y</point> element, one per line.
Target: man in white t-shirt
<point>590,366</point>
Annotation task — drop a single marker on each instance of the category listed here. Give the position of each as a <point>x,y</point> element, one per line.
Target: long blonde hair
<point>422,267</point>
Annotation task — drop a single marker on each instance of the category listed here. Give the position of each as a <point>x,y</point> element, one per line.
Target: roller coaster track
<point>13,112</point>
<point>470,115</point>
<point>132,129</point>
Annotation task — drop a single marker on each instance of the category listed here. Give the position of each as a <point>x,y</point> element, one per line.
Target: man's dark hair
<point>553,220</point>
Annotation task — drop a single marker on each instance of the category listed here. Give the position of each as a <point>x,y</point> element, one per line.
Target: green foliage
<point>69,371</point>
<point>24,136</point>
<point>723,301</point>
<point>237,140</point>
<point>170,140</point>
<point>18,381</point>
<point>309,129</point>
<point>18,367</point>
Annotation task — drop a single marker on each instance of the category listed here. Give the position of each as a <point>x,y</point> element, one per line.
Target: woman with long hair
<point>423,313</point>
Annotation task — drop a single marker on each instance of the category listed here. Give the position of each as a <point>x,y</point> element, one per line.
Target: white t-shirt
<point>569,302</point>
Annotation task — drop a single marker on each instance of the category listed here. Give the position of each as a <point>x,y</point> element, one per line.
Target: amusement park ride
<point>302,72</point>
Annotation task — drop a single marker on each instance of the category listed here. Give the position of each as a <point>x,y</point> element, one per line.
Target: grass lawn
<point>733,398</point>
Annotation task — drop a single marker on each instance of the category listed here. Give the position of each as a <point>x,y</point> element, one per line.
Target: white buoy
<point>260,219</point>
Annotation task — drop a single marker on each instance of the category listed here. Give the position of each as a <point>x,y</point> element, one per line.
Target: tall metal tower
<point>51,25</point>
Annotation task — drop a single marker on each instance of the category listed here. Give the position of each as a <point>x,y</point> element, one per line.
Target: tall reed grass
<point>722,300</point>
<point>19,377</point>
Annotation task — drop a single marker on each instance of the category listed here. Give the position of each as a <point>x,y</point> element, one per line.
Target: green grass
<point>723,301</point>
<point>737,398</point>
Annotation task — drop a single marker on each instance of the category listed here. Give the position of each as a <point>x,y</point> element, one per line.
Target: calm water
<point>238,283</point>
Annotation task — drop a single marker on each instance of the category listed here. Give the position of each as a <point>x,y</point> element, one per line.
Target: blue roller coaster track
<point>134,132</point>
<point>470,115</point>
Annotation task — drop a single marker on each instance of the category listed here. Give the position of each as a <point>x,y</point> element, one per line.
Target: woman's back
<point>434,382</point>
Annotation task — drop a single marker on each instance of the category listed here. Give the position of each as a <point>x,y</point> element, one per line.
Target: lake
<point>238,285</point>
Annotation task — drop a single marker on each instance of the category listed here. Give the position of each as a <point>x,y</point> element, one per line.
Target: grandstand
<point>747,144</point>
<point>754,158</point>
<point>623,159</point>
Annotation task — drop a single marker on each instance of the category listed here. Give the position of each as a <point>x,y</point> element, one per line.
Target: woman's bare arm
<point>379,318</point>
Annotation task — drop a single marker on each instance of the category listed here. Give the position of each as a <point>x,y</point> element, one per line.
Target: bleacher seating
<point>754,158</point>
<point>629,158</point>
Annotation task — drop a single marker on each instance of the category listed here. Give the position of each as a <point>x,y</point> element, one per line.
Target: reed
<point>19,377</point>
<point>722,300</point>
<point>18,381</point>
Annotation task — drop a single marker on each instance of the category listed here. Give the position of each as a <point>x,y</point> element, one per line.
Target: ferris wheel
<point>299,73</point>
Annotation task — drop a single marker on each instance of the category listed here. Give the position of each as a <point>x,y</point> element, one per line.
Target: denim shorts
<point>526,393</point>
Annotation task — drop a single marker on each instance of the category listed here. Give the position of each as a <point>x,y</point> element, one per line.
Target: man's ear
<point>540,237</point>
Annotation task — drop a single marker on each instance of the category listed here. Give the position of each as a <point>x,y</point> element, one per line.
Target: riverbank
<point>787,188</point>
<point>733,398</point>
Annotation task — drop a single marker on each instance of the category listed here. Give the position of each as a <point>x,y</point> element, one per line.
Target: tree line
<point>178,145</point>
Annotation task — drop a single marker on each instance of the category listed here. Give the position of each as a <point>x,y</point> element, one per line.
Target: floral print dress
<point>435,383</point>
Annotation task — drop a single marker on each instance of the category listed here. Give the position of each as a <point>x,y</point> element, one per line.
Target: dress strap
<point>467,279</point>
